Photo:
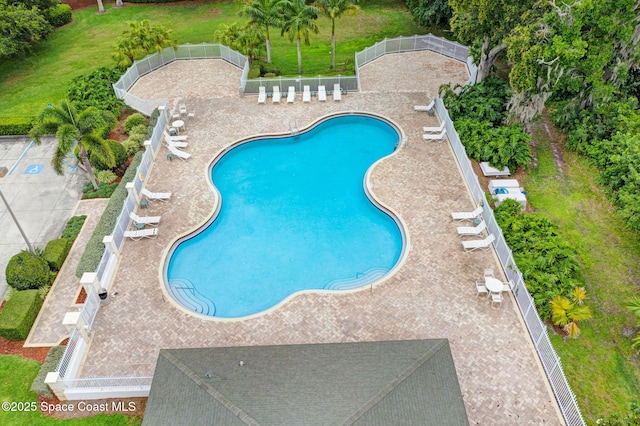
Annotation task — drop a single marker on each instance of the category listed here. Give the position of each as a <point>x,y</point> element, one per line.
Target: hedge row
<point>56,252</point>
<point>10,126</point>
<point>50,364</point>
<point>59,15</point>
<point>19,314</point>
<point>95,248</point>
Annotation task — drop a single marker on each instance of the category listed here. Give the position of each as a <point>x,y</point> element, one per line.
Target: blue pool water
<point>294,216</point>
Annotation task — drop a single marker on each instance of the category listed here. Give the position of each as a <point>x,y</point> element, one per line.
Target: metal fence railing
<point>537,330</point>
<point>109,382</point>
<point>65,361</point>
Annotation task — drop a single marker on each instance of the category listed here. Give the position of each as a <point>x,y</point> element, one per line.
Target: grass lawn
<point>16,375</point>
<point>599,364</point>
<point>29,84</point>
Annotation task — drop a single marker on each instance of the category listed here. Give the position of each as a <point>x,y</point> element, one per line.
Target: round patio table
<point>494,285</point>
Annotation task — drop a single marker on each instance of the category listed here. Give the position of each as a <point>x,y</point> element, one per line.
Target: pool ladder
<point>295,131</point>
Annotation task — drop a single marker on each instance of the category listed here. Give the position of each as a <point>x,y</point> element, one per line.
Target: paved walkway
<point>431,295</point>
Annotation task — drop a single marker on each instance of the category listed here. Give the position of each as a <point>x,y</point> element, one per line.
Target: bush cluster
<point>27,270</point>
<point>95,89</point>
<point>59,15</point>
<point>429,12</point>
<point>119,153</point>
<point>104,190</point>
<point>134,120</point>
<point>56,252</point>
<point>261,68</point>
<point>73,227</point>
<point>106,177</point>
<point>547,261</point>
<point>50,364</point>
<point>93,251</point>
<point>19,313</point>
<point>15,125</point>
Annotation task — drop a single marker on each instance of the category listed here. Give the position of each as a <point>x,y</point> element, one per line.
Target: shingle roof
<point>408,382</point>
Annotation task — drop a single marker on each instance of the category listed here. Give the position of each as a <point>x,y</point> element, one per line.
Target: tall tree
<point>334,9</point>
<point>71,127</point>
<point>140,39</point>
<point>20,29</point>
<point>298,19</point>
<point>486,23</point>
<point>264,14</point>
<point>247,40</point>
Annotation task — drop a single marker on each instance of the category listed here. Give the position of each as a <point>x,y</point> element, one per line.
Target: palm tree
<point>264,13</point>
<point>297,20</point>
<point>139,39</point>
<point>71,127</point>
<point>246,40</point>
<point>568,313</point>
<point>334,9</point>
<point>634,306</point>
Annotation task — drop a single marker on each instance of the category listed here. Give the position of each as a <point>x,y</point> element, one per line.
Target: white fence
<point>251,86</point>
<point>537,329</point>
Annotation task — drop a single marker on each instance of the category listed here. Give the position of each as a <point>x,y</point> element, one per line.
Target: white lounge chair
<point>145,220</point>
<point>183,109</point>
<point>461,216</point>
<point>262,95</point>
<point>322,94</point>
<point>139,234</point>
<point>473,245</point>
<point>438,129</point>
<point>472,230</point>
<point>155,196</point>
<point>427,108</point>
<point>180,154</point>
<point>435,137</point>
<point>168,137</point>
<point>291,95</point>
<point>176,144</point>
<point>337,92</point>
<point>306,94</point>
<point>276,95</point>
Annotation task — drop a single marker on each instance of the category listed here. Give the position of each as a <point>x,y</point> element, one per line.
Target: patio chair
<point>182,109</point>
<point>306,93</point>
<point>496,298</point>
<point>481,289</point>
<point>155,196</point>
<point>337,92</point>
<point>168,137</point>
<point>438,129</point>
<point>435,136</point>
<point>427,108</point>
<point>175,115</point>
<point>291,95</point>
<point>474,245</point>
<point>461,216</point>
<point>322,94</point>
<point>508,286</point>
<point>180,154</point>
<point>262,95</point>
<point>191,115</point>
<point>489,273</point>
<point>472,230</point>
<point>276,95</point>
<point>139,234</point>
<point>145,220</point>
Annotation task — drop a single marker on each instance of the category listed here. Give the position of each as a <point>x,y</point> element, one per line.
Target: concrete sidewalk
<point>41,200</point>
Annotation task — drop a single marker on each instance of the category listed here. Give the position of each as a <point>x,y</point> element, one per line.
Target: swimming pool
<point>294,216</point>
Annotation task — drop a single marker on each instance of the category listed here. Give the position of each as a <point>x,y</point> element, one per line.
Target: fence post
<point>73,320</point>
<point>90,281</point>
<point>57,386</point>
<point>109,243</point>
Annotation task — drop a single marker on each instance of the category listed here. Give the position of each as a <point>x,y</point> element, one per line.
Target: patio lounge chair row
<point>174,143</point>
<point>141,221</point>
<point>291,94</point>
<point>479,229</point>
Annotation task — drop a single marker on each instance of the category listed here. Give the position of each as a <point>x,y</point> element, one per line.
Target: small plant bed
<point>73,228</point>
<point>104,190</point>
<point>82,297</point>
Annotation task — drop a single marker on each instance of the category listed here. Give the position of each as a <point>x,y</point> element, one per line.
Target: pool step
<point>361,279</point>
<point>185,294</point>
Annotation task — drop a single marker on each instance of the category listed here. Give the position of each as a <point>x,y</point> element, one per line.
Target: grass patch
<point>600,363</point>
<point>32,82</point>
<point>16,375</point>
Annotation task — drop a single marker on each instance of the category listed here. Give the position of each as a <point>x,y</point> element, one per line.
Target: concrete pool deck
<point>431,296</point>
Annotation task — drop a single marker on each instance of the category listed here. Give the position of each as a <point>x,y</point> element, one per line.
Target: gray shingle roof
<point>405,382</point>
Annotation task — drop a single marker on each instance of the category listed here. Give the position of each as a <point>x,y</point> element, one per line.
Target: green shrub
<point>95,89</point>
<point>104,190</point>
<point>139,129</point>
<point>119,153</point>
<point>106,176</point>
<point>26,271</point>
<point>133,120</point>
<point>10,126</point>
<point>266,68</point>
<point>59,15</point>
<point>56,252</point>
<point>254,71</point>
<point>73,227</point>
<point>131,146</point>
<point>19,313</point>
<point>94,249</point>
<point>50,364</point>
<point>484,101</point>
